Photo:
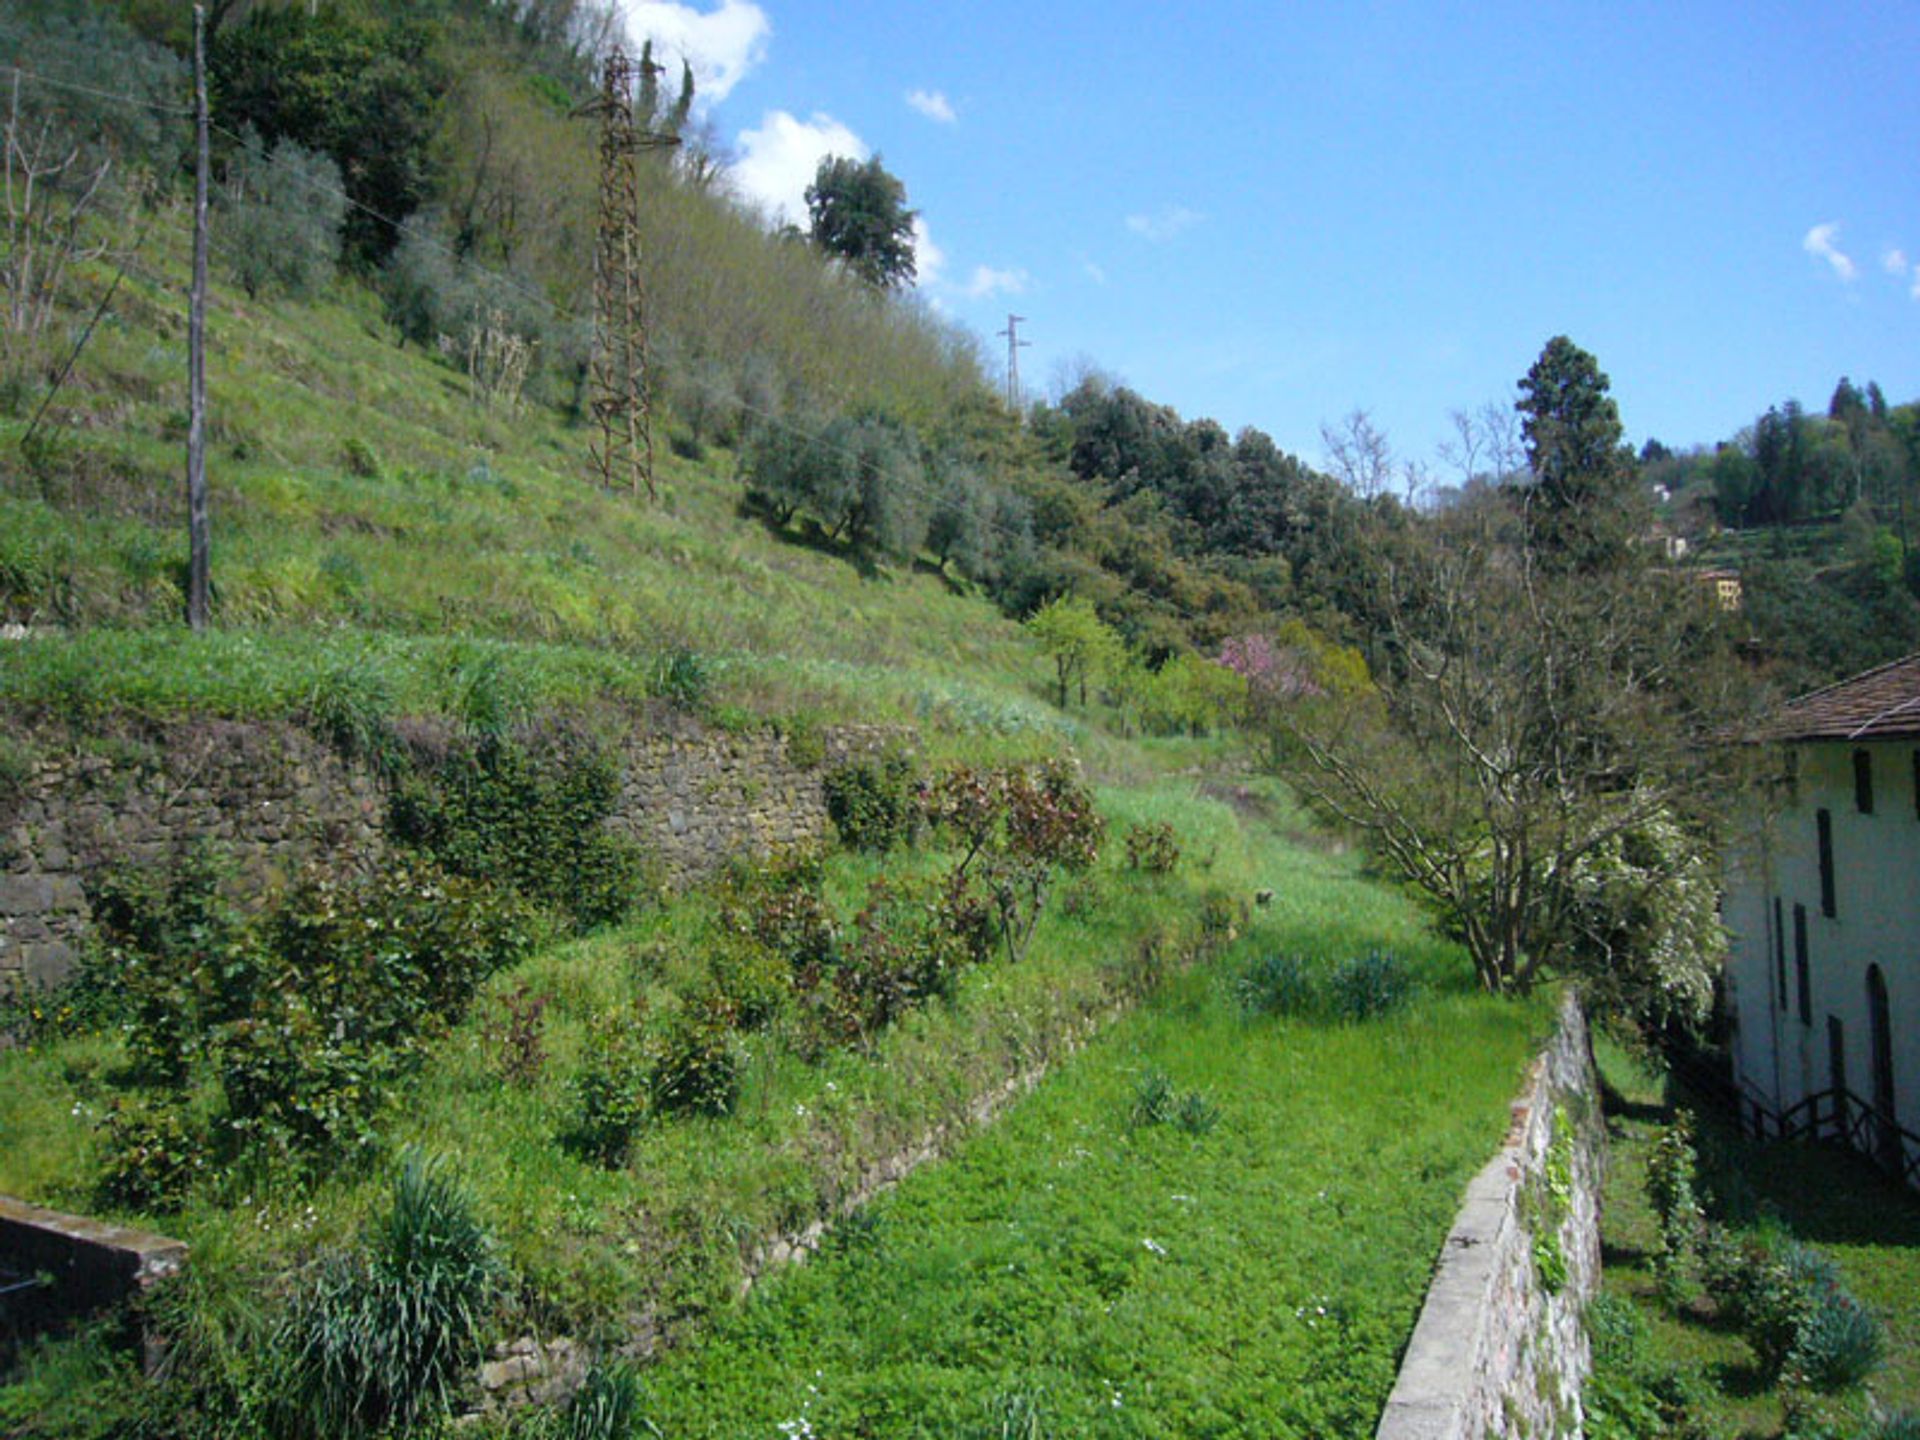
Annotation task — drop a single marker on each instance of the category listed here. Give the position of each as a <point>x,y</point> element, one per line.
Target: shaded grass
<point>1830,1198</point>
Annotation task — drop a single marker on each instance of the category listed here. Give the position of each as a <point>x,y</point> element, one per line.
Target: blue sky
<point>1276,214</point>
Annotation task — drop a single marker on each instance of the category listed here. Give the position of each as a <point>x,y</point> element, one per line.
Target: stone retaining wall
<point>1500,1347</point>
<point>273,798</point>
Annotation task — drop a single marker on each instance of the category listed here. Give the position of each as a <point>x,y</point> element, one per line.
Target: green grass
<point>1259,1279</point>
<point>1828,1198</point>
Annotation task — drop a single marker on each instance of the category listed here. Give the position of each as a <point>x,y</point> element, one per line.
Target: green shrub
<point>806,742</point>
<point>531,816</point>
<point>1220,916</point>
<point>1673,1190</point>
<point>314,1018</point>
<point>752,979</point>
<point>1153,848</point>
<point>359,459</point>
<point>872,801</point>
<point>1617,1332</point>
<point>1016,829</point>
<point>1153,1098</point>
<point>150,1154</point>
<point>607,1406</point>
<point>696,1059</point>
<point>384,1336</point>
<point>1365,987</point>
<point>902,950</point>
<point>1838,1344</point>
<point>782,907</point>
<point>1900,1425</point>
<point>281,214</point>
<point>1196,1113</point>
<point>682,676</point>
<point>611,1092</point>
<point>162,932</point>
<point>514,1033</point>
<point>1277,983</point>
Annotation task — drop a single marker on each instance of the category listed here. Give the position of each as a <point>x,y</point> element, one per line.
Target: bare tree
<point>1521,729</point>
<point>1358,455</point>
<point>51,184</point>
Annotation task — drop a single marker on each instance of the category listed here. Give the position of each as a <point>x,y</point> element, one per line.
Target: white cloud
<point>934,105</point>
<point>722,44</point>
<point>1093,272</point>
<point>1894,261</point>
<point>779,160</point>
<point>928,258</point>
<point>1821,243</point>
<point>1164,224</point>
<point>987,281</point>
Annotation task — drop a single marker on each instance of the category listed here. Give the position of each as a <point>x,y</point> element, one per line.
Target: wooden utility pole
<point>620,378</point>
<point>198,558</point>
<point>1014,346</point>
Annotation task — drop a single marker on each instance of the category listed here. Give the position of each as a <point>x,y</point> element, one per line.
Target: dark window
<point>1863,781</point>
<point>1802,974</point>
<point>1825,822</point>
<point>1780,950</point>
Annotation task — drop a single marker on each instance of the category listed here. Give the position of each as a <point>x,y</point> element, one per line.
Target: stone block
<point>88,1265</point>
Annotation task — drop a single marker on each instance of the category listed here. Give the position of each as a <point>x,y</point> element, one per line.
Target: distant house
<point>1824,904</point>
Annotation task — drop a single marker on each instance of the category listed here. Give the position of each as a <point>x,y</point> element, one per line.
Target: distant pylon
<point>622,449</point>
<point>1014,346</point>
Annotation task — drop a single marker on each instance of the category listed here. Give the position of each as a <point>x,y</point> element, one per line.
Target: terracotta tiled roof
<point>1878,704</point>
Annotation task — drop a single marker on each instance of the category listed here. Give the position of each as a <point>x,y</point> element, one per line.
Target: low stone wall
<point>68,1266</point>
<point>1500,1348</point>
<point>274,798</point>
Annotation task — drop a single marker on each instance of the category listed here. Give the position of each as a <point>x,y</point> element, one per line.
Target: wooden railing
<point>1826,1117</point>
<point>1836,1116</point>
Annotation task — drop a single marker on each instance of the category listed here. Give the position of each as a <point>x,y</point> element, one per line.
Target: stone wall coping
<point>1446,1364</point>
<point>31,1237</point>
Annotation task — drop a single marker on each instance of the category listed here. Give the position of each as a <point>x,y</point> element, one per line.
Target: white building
<point>1824,906</point>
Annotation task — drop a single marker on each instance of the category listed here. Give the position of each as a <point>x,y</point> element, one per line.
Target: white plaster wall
<point>1876,863</point>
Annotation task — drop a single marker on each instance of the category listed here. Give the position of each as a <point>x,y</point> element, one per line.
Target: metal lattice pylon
<point>618,377</point>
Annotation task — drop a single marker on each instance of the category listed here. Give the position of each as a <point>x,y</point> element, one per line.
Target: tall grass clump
<point>381,1340</point>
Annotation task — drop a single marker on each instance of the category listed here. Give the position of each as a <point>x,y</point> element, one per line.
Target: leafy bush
<point>682,676</point>
<point>1838,1344</point>
<point>1277,983</point>
<point>313,1027</point>
<point>901,951</point>
<point>696,1059</point>
<point>382,1339</point>
<point>872,802</point>
<point>1672,1175</point>
<point>280,218</point>
<point>611,1091</point>
<point>1900,1425</point>
<point>1015,829</point>
<point>781,906</point>
<point>514,1034</point>
<point>1365,987</point>
<point>150,1154</point>
<point>1220,916</point>
<point>532,816</point>
<point>1153,848</point>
